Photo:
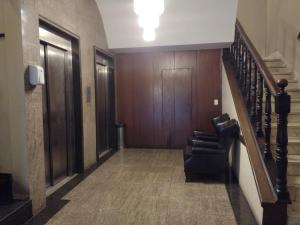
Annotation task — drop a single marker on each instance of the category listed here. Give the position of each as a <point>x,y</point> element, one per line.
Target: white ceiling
<point>185,24</point>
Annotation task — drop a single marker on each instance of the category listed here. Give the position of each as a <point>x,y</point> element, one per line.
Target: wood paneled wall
<point>163,96</point>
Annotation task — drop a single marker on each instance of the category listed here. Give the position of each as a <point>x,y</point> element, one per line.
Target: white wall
<point>239,156</point>
<point>184,23</point>
<point>12,98</point>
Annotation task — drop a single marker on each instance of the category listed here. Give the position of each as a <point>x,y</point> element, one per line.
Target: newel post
<point>282,109</point>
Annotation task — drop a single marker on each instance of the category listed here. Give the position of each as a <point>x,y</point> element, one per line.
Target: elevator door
<point>105,108</point>
<point>58,113</point>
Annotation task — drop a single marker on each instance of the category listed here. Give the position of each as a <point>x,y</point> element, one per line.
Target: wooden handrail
<point>263,182</point>
<point>267,76</point>
<point>253,86</point>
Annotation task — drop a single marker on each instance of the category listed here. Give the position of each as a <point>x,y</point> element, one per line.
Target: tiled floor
<point>139,187</point>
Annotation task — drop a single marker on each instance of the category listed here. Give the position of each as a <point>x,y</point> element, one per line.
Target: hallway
<point>148,187</point>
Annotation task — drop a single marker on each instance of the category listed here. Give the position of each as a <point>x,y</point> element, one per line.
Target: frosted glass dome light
<point>148,21</point>
<point>154,7</point>
<point>149,35</point>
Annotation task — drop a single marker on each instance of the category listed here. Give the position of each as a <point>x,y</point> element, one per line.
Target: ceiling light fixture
<point>148,12</point>
<point>149,34</point>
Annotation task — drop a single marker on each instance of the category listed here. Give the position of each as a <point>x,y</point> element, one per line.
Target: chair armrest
<point>207,151</point>
<point>206,138</point>
<point>203,143</point>
<point>201,133</point>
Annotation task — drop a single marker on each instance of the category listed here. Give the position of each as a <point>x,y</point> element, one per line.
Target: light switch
<point>216,102</point>
<point>88,94</point>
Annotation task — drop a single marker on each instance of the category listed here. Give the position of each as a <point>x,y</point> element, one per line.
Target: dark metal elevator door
<point>56,113</point>
<point>105,108</point>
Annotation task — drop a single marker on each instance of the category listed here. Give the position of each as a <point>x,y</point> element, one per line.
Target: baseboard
<point>17,213</point>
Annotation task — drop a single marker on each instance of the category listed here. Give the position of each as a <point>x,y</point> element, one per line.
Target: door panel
<point>58,55</point>
<point>183,107</point>
<point>105,108</point>
<point>45,122</point>
<point>111,106</point>
<point>101,108</point>
<point>168,106</point>
<point>57,111</point>
<point>161,61</point>
<point>143,96</point>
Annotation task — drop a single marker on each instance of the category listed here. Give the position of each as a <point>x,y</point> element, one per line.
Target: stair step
<point>293,220</point>
<point>293,86</point>
<point>293,129</point>
<point>294,181</point>
<point>294,165</point>
<point>294,116</point>
<point>280,71</point>
<point>275,64</point>
<point>272,60</point>
<point>294,93</point>
<point>294,193</point>
<point>294,209</point>
<point>293,146</point>
<point>294,190</point>
<point>295,105</point>
<point>290,78</point>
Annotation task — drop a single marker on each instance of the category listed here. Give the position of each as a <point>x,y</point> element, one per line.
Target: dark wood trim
<point>107,54</point>
<point>267,76</point>
<point>264,185</point>
<point>242,139</point>
<point>20,215</point>
<point>275,214</point>
<point>46,22</point>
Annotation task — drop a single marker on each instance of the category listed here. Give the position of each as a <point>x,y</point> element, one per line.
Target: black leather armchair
<point>205,136</point>
<point>210,157</point>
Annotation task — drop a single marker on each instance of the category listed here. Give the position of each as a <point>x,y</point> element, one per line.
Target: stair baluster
<point>237,57</point>
<point>259,106</point>
<point>268,110</point>
<point>248,96</point>
<point>253,94</point>
<point>245,70</point>
<point>282,108</point>
<point>242,56</point>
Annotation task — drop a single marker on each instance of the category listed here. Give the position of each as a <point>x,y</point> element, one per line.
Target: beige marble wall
<point>82,18</point>
<point>273,26</point>
<point>253,17</point>
<point>283,28</point>
<point>13,152</point>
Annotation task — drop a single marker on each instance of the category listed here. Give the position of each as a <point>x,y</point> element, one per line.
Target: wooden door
<point>182,107</point>
<point>176,106</point>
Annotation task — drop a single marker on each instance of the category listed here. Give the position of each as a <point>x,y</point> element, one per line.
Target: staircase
<point>280,70</point>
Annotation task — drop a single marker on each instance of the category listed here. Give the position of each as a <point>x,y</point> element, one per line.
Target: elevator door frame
<point>77,125</point>
<point>101,57</point>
